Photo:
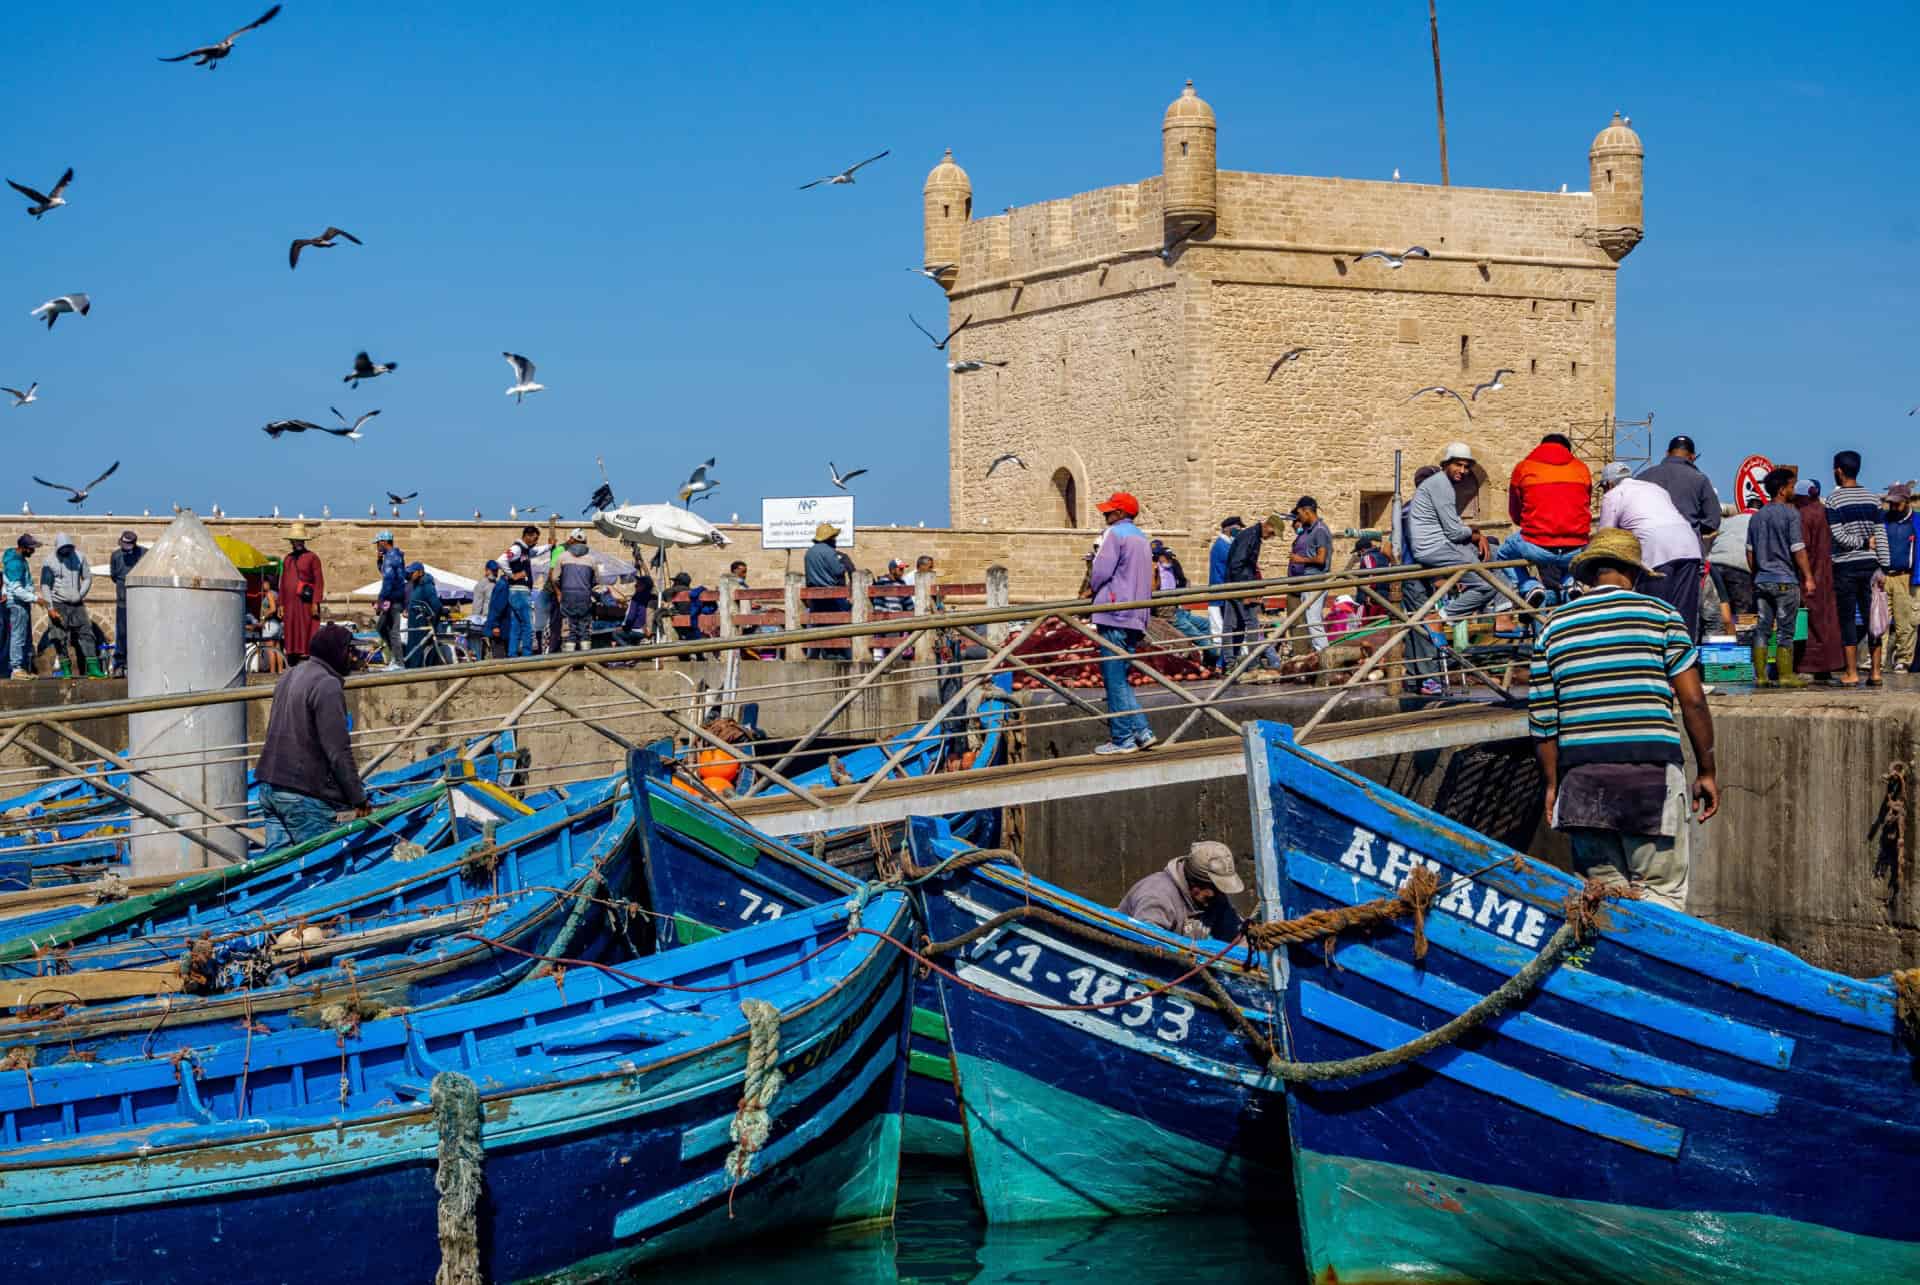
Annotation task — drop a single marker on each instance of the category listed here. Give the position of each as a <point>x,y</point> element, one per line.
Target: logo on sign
<point>1748,492</point>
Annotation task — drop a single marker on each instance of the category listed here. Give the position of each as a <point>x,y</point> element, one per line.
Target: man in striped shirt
<point>1859,550</point>
<point>1608,669</point>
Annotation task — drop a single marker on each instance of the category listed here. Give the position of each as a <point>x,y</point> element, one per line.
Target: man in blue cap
<point>498,624</point>
<point>424,610</point>
<point>393,595</point>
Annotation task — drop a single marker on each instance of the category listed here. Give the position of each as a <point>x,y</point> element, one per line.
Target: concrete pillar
<point>861,587</point>
<point>186,608</point>
<point>999,594</point>
<point>794,615</point>
<point>727,608</point>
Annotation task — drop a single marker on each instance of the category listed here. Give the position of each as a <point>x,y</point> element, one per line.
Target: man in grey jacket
<point>67,579</point>
<point>1689,488</point>
<point>1189,896</point>
<point>1439,538</point>
<point>306,770</point>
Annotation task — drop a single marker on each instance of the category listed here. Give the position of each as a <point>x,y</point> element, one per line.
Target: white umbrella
<point>660,525</point>
<point>451,585</point>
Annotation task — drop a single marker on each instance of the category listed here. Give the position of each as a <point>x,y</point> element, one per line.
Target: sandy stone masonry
<point>1127,372</point>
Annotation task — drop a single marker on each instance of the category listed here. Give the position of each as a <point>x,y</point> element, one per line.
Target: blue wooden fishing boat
<point>80,833</point>
<point>1672,1102</point>
<point>616,1120</point>
<point>1097,1075</point>
<point>707,873</point>
<point>449,926</point>
<point>939,749</point>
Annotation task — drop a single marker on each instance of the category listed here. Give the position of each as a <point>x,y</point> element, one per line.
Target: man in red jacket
<point>1550,499</point>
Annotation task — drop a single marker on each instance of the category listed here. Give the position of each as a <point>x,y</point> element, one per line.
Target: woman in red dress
<point>302,585</point>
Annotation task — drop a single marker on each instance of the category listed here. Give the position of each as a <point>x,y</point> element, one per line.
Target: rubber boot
<point>1785,664</point>
<point>1760,678</point>
<point>94,670</point>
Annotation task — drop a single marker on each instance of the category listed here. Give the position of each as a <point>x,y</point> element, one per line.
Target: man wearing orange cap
<point>1122,572</point>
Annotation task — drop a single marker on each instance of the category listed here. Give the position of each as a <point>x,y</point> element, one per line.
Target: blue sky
<point>611,191</point>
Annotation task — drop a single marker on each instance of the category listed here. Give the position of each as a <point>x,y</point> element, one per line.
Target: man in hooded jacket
<point>306,770</point>
<point>1550,499</point>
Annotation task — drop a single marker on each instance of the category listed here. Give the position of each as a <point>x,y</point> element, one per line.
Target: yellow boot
<point>1760,678</point>
<point>1784,662</point>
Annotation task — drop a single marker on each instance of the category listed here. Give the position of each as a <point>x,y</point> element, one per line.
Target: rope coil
<point>751,1123</point>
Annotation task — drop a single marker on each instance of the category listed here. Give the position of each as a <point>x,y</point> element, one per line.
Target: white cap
<point>576,535</point>
<point>1615,473</point>
<point>1457,451</point>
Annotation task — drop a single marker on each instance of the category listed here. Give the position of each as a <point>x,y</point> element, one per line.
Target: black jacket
<point>1243,556</point>
<point>306,750</point>
<point>1690,490</point>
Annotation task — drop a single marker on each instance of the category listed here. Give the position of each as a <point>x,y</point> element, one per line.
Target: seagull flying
<point>1291,354</point>
<point>1166,251</point>
<point>44,201</point>
<point>400,499</point>
<point>528,509</point>
<point>697,485</point>
<point>971,364</point>
<point>1396,260</point>
<point>845,175</point>
<point>1439,390</point>
<point>1492,385</point>
<point>20,398</point>
<point>602,497</point>
<point>365,367</point>
<point>52,308</point>
<point>323,242</point>
<point>210,55</point>
<point>522,377</point>
<point>933,270</point>
<point>79,495</point>
<point>349,430</point>
<point>1009,457</point>
<point>275,428</point>
<point>940,345</point>
<point>841,479</point>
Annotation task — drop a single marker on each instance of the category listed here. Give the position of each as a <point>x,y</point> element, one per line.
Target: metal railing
<point>998,636</point>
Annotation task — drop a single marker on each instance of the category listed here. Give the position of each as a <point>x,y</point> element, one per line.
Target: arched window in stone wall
<point>1068,493</point>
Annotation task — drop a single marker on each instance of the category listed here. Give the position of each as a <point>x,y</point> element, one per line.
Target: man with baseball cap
<point>1608,670</point>
<point>16,580</point>
<point>1189,894</point>
<point>125,555</point>
<point>1312,555</point>
<point>1668,542</point>
<point>392,606</point>
<point>574,578</point>
<point>1438,537</point>
<point>1903,571</point>
<point>1122,571</point>
<point>1692,494</point>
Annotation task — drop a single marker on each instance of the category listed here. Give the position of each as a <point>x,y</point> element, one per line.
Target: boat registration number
<point>1099,994</point>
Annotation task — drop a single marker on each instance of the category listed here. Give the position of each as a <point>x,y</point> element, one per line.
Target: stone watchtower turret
<point>949,206</point>
<point>1187,137</point>
<point>1617,163</point>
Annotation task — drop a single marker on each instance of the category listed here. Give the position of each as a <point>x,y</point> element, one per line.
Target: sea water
<point>939,1238</point>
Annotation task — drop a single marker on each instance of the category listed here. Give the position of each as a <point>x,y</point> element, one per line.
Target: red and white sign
<point>1748,493</point>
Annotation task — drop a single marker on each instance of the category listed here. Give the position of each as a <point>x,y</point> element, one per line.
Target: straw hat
<point>298,531</point>
<point>825,531</point>
<point>1611,544</point>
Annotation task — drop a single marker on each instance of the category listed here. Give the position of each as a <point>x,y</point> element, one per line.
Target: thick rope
<point>459,1175</point>
<point>1581,911</point>
<point>751,1123</point>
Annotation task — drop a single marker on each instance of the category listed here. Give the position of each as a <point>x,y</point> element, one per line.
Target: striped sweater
<point>1859,536</point>
<point>1601,682</point>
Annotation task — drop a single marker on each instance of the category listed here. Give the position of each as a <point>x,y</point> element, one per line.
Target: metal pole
<point>1439,92</point>
<point>1360,671</point>
<point>567,707</point>
<point>1154,674</point>
<point>221,857</point>
<point>419,720</point>
<point>1393,519</point>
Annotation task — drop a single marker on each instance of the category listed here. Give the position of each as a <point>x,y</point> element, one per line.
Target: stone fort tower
<point>1137,369</point>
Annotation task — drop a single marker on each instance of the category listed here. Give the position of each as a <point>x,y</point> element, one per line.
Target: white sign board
<point>789,523</point>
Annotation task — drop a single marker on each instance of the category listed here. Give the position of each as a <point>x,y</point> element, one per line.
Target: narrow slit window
<point>1533,365</point>
<point>1573,368</point>
<point>1466,352</point>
